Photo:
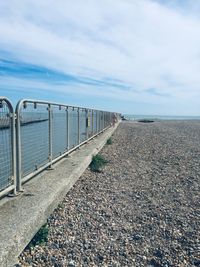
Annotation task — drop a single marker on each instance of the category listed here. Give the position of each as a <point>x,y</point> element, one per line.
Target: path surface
<point>142,210</point>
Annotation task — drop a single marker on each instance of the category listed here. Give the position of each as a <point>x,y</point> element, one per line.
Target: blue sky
<point>136,57</point>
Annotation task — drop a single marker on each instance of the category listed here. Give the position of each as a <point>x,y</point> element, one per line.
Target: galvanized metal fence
<point>7,147</point>
<point>45,132</point>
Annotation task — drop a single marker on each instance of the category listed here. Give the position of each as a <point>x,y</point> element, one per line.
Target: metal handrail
<point>56,104</point>
<point>96,121</point>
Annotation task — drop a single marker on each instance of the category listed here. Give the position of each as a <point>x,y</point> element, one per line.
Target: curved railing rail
<point>7,148</point>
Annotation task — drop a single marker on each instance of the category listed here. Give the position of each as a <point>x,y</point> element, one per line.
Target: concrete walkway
<point>21,217</point>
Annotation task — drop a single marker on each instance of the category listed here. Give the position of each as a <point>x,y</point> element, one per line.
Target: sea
<point>135,117</point>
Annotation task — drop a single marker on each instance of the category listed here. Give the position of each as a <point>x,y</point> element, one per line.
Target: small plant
<point>61,206</point>
<point>97,163</point>
<point>40,237</point>
<point>109,141</point>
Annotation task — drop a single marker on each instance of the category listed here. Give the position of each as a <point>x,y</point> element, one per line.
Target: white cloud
<point>142,43</point>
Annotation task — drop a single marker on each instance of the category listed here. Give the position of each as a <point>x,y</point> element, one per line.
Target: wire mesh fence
<point>6,144</point>
<point>94,121</point>
<point>45,132</point>
<point>89,123</point>
<point>59,130</point>
<point>73,127</point>
<point>34,137</point>
<point>83,126</point>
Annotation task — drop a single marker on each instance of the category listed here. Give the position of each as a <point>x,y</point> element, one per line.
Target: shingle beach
<point>143,209</point>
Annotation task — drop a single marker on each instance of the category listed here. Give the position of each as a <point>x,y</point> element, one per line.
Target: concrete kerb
<point>21,217</point>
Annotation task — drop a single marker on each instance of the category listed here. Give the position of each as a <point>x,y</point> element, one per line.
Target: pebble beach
<point>142,209</point>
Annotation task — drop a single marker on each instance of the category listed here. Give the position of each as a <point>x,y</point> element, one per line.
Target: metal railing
<point>45,132</point>
<point>7,148</point>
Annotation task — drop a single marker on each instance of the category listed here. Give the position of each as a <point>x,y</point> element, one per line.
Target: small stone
<point>71,264</point>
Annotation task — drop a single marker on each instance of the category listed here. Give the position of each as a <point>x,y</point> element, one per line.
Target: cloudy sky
<point>131,56</point>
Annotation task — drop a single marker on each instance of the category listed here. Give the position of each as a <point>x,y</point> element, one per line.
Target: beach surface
<point>142,209</point>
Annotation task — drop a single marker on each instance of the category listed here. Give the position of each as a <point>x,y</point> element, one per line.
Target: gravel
<point>143,209</point>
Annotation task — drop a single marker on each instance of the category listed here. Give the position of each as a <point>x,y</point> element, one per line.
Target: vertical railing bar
<point>78,125</point>
<point>92,122</point>
<point>106,119</point>
<point>103,120</point>
<point>13,150</point>
<point>67,124</point>
<point>18,150</point>
<point>50,136</point>
<point>100,120</point>
<point>87,123</point>
<point>96,123</point>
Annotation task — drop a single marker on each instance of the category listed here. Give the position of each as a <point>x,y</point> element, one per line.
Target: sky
<point>128,56</point>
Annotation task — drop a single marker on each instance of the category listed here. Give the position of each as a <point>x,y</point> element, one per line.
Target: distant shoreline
<point>161,118</point>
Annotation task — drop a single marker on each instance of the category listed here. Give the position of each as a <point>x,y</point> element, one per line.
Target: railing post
<point>97,112</point>
<point>18,150</point>
<point>67,125</point>
<point>103,120</point>
<point>78,126</point>
<point>100,121</point>
<point>106,119</point>
<point>92,122</point>
<point>86,123</point>
<point>13,118</point>
<point>50,136</point>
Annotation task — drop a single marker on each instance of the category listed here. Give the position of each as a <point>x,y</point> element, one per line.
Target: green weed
<point>109,141</point>
<point>40,237</point>
<point>97,163</point>
<point>61,206</point>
